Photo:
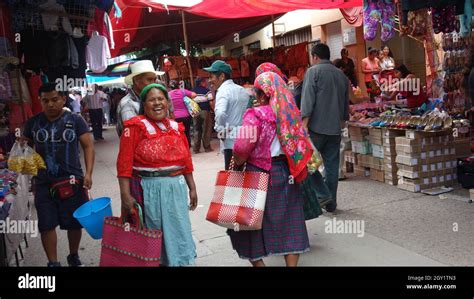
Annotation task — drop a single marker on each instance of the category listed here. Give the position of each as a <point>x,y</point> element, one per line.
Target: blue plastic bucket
<point>91,215</point>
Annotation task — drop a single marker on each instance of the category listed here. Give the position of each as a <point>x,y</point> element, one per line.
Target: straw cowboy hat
<point>141,67</point>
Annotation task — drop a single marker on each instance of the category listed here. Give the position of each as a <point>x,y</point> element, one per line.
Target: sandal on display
<point>430,124</point>
<point>448,123</point>
<point>438,124</point>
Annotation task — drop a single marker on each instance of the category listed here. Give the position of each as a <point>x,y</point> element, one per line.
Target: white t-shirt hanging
<point>97,53</point>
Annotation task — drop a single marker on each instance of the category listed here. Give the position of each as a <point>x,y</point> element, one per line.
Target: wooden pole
<point>186,46</point>
<point>273,31</point>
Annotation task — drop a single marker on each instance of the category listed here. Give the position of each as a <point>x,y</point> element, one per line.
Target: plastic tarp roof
<point>207,22</point>
<point>234,9</point>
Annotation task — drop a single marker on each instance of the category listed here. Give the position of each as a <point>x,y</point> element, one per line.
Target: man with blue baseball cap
<point>231,103</point>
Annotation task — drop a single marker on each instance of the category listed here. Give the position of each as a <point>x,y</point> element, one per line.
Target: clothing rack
<point>29,14</point>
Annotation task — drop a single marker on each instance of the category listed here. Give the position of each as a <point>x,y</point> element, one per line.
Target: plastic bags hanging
<point>316,160</point>
<point>25,160</point>
<point>16,160</point>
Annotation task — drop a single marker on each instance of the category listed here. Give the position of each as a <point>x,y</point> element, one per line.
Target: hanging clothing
<point>445,19</point>
<point>412,5</point>
<point>73,55</point>
<point>466,19</point>
<point>50,21</point>
<point>104,5</point>
<point>81,47</point>
<point>6,22</point>
<point>34,83</point>
<point>376,12</point>
<point>32,49</point>
<point>5,86</point>
<point>57,49</point>
<point>19,114</point>
<point>244,68</point>
<point>25,92</point>
<point>97,53</point>
<point>5,47</point>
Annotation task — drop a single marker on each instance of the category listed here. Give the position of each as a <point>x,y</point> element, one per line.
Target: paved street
<point>401,228</point>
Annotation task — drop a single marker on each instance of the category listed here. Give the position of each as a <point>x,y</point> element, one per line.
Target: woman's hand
<point>127,204</point>
<point>193,199</point>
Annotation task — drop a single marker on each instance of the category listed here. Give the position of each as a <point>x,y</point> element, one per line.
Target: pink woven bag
<point>127,245</point>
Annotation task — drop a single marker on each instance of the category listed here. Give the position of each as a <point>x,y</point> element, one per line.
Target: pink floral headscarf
<point>269,67</point>
<point>291,133</point>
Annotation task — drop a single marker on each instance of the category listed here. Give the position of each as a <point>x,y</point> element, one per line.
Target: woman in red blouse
<point>154,168</point>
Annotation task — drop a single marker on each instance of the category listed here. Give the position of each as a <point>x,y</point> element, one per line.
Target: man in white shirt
<point>231,103</point>
<point>75,103</point>
<point>96,112</point>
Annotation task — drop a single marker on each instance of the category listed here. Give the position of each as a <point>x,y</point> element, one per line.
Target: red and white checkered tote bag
<point>239,200</point>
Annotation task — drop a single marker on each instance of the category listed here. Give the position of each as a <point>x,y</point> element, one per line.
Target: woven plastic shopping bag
<point>128,245</point>
<point>239,199</point>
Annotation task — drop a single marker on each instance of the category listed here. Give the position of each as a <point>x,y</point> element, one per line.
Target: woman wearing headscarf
<point>281,148</point>
<point>270,67</point>
<point>267,67</point>
<point>155,169</point>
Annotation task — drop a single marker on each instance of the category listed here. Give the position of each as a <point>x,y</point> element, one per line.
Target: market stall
<point>419,147</point>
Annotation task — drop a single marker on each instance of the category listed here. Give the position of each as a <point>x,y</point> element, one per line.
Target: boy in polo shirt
<point>56,135</point>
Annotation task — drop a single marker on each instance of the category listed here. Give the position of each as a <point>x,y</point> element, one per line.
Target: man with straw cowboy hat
<point>142,74</point>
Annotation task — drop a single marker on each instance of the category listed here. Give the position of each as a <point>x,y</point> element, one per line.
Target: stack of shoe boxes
<point>350,160</point>
<point>425,160</point>
<point>377,159</point>
<point>390,154</point>
<point>360,149</point>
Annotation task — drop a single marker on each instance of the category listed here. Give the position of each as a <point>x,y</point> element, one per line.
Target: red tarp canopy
<point>235,9</point>
<point>207,22</point>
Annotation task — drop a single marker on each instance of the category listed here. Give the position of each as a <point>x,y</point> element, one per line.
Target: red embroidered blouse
<point>149,146</point>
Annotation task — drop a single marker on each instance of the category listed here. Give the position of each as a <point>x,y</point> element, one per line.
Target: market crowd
<point>154,164</point>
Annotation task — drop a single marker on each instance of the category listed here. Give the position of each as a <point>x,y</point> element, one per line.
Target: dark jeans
<point>322,189</point>
<point>329,146</point>
<point>97,117</point>
<point>227,158</point>
<point>202,131</point>
<point>187,127</point>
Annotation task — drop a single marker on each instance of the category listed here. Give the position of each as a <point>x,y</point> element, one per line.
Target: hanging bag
<point>16,159</point>
<point>239,199</point>
<point>130,245</point>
